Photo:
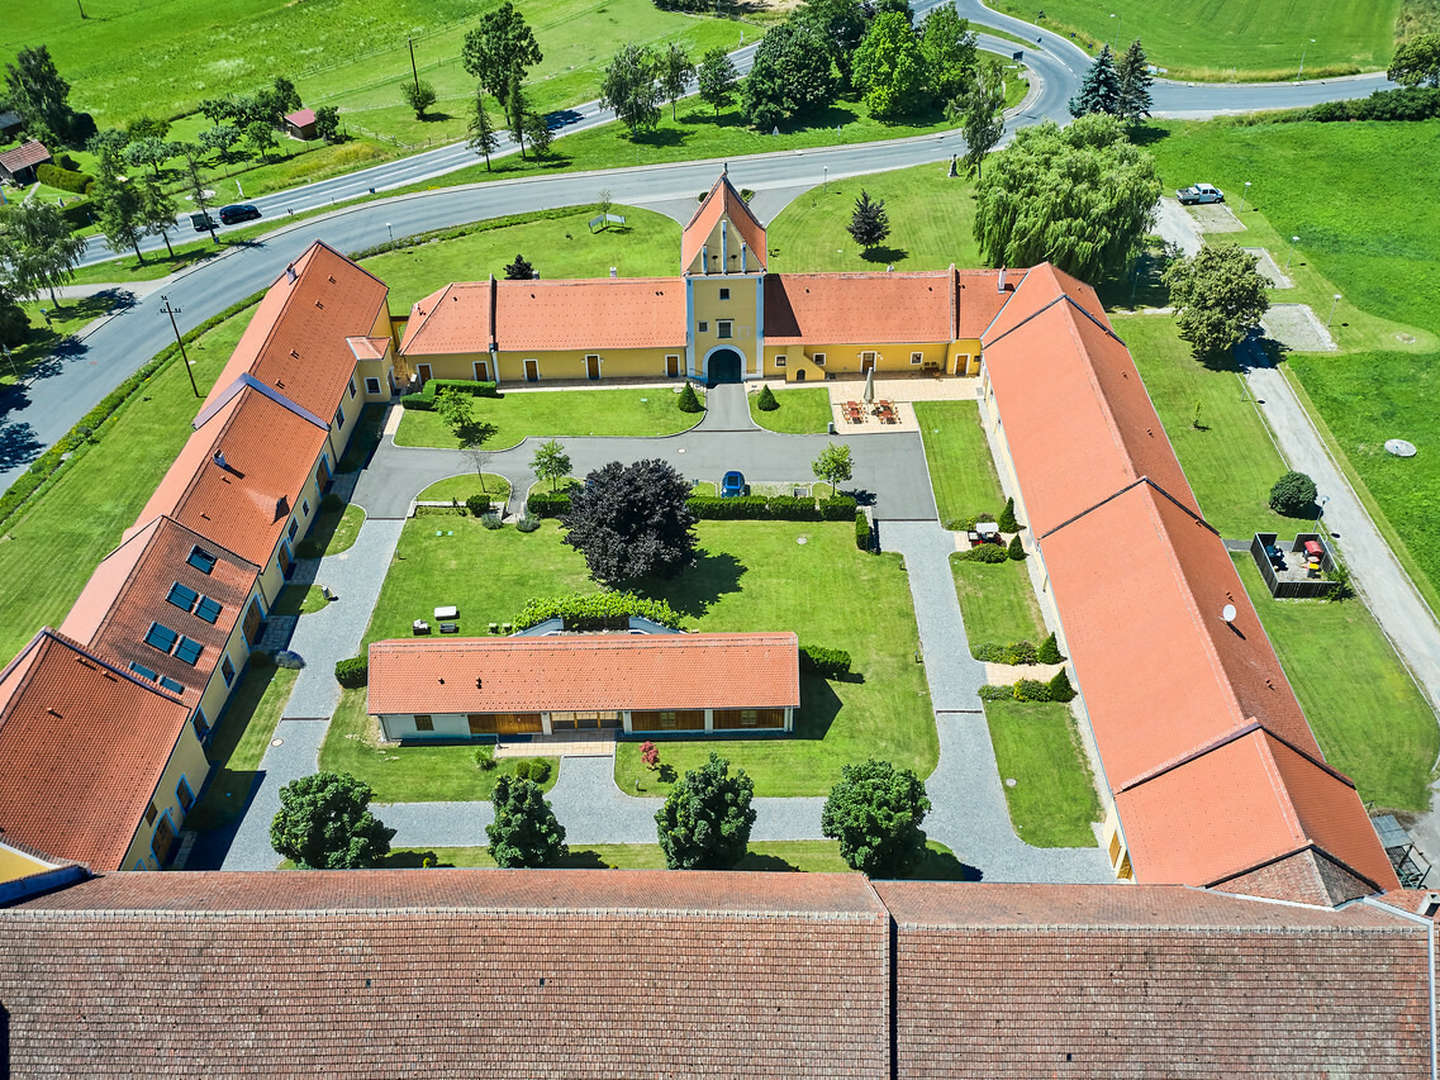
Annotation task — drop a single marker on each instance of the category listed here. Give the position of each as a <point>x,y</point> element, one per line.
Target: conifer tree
<point>1100,89</point>
<point>1133,72</point>
<point>869,224</point>
<point>483,139</point>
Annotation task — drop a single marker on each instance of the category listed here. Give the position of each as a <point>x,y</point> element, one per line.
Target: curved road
<point>63,390</point>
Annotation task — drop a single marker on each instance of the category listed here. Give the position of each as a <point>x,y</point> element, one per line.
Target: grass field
<point>558,245</point>
<point>801,412</point>
<point>1367,715</point>
<point>961,469</point>
<point>1230,39</point>
<point>557,412</point>
<point>997,602</point>
<point>242,733</point>
<point>462,487</point>
<point>932,221</point>
<point>1377,243</point>
<point>1052,802</point>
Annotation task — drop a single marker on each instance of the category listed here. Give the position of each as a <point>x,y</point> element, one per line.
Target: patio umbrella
<point>869,394</point>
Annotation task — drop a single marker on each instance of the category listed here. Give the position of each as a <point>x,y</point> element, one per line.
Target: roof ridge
<point>84,651</point>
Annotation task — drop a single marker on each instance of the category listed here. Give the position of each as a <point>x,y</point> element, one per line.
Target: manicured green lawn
<point>1367,715</point>
<point>814,856</point>
<point>242,734</point>
<point>1229,39</point>
<point>364,439</point>
<point>333,530</point>
<point>70,525</point>
<point>961,469</point>
<point>299,600</point>
<point>932,223</point>
<point>463,486</point>
<point>408,773</point>
<point>558,244</point>
<point>1230,460</point>
<point>801,412</point>
<point>544,413</point>
<point>1053,800</point>
<point>996,602</point>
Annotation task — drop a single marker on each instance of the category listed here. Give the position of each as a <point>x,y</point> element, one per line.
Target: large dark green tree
<point>1133,72</point>
<point>1219,296</point>
<point>890,68</point>
<point>632,522</point>
<point>875,810</point>
<point>37,91</point>
<point>717,79</point>
<point>869,224</point>
<point>839,24</point>
<point>38,252</point>
<point>705,822</point>
<point>483,137</point>
<point>981,112</point>
<point>790,77</point>
<point>120,212</point>
<point>499,52</point>
<point>1081,197</point>
<point>524,832</point>
<point>1417,61</point>
<point>949,48</point>
<point>325,823</point>
<point>631,87</point>
<point>1100,88</point>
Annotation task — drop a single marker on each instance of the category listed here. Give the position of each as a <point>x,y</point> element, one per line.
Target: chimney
<point>219,459</point>
<point>743,252</point>
<point>1000,280</point>
<point>290,274</point>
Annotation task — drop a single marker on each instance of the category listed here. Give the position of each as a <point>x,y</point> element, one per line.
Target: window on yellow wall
<point>724,294</point>
<point>722,328</point>
<point>704,327</point>
<point>818,359</point>
<point>372,386</point>
<point>917,358</point>
<point>780,361</point>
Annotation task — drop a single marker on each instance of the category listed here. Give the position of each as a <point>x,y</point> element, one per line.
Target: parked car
<point>1199,193</point>
<point>238,212</point>
<point>202,222</point>
<point>733,483</point>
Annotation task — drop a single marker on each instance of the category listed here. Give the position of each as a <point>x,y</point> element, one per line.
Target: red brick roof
<point>455,319</point>
<point>1106,981</point>
<point>301,117</point>
<point>576,672</point>
<point>82,747</point>
<point>23,156</point>
<point>296,340</point>
<point>455,973</point>
<point>723,201</point>
<point>979,297</point>
<point>818,309</point>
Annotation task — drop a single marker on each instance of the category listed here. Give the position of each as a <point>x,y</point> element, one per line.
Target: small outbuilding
<point>10,123</point>
<point>19,165</point>
<point>300,124</point>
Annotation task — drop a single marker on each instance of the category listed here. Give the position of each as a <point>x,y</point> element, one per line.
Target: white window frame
<point>917,358</point>
<point>702,327</point>
<point>372,384</point>
<point>818,359</point>
<point>780,360</point>
<point>725,329</point>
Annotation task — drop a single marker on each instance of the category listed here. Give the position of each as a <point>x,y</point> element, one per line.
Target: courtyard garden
<point>997,602</point>
<point>1052,798</point>
<point>962,472</point>
<point>796,412</point>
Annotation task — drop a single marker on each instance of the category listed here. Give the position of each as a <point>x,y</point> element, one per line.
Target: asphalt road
<point>62,391</point>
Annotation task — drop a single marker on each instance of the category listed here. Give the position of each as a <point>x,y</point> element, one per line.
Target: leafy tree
<point>1293,495</point>
<point>325,823</point>
<point>1100,89</point>
<point>875,810</point>
<point>676,71</point>
<point>108,146</point>
<point>221,140</point>
<point>717,79</point>
<point>1218,295</point>
<point>1082,197</point>
<point>157,212</point>
<point>327,123</point>
<point>149,151</point>
<point>632,522</point>
<point>519,270</point>
<point>120,213</point>
<point>1417,61</point>
<point>903,7</point>
<point>705,822</point>
<point>630,87</point>
<point>1007,521</point>
<point>499,52</point>
<point>551,463</point>
<point>834,465</point>
<point>1016,550</point>
<point>37,249</point>
<point>949,48</point>
<point>869,224</point>
<point>765,400</point>
<point>261,137</point>
<point>537,130</point>
<point>650,755</point>
<point>284,98</point>
<point>198,198</point>
<point>840,25</point>
<point>483,138</point>
<point>419,95</point>
<point>1133,73</point>
<point>457,409</point>
<point>525,832</point>
<point>981,112</point>
<point>146,127</point>
<point>789,77</point>
<point>14,323</point>
<point>518,108</point>
<point>890,67</point>
<point>36,90</point>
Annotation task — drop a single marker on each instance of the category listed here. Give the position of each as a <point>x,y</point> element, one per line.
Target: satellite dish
<point>1228,613</point>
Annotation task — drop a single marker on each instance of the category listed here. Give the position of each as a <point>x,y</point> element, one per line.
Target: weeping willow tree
<point>1081,197</point>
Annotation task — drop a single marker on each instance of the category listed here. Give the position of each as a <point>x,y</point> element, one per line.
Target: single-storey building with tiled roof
<point>18,165</point>
<point>299,124</point>
<point>434,688</point>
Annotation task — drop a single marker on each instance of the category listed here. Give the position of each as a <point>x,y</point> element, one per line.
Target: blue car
<point>732,484</point>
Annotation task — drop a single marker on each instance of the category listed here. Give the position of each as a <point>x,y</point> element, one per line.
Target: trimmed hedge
<point>1015,549</point>
<point>478,505</point>
<point>1406,104</point>
<point>65,179</point>
<point>997,693</point>
<point>838,508</point>
<point>551,504</point>
<point>596,611</point>
<point>688,402</point>
<point>1019,652</point>
<point>985,553</point>
<point>862,531</point>
<point>352,673</point>
<point>78,214</point>
<point>1060,688</point>
<point>829,663</point>
<point>424,400</point>
<point>770,508</point>
<point>1031,690</point>
<point>765,400</point>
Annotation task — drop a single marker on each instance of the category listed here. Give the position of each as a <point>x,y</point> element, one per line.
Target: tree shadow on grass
<point>819,705</point>
<point>944,866</point>
<point>697,589</point>
<point>884,255</point>
<point>754,860</point>
<point>1145,135</point>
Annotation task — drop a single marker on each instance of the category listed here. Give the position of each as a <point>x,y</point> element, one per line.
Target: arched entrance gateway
<point>723,365</point>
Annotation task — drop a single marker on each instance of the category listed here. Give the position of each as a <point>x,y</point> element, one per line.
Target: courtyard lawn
<point>958,456</point>
<point>1053,800</point>
<point>1229,39</point>
<point>242,733</point>
<point>299,600</point>
<point>1365,710</point>
<point>997,602</point>
<point>364,439</point>
<point>801,412</point>
<point>1230,460</point>
<point>649,411</point>
<point>408,773</point>
<point>334,530</point>
<point>466,484</point>
<point>559,244</point>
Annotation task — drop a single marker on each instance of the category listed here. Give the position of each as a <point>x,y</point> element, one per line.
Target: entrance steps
<point>590,743</point>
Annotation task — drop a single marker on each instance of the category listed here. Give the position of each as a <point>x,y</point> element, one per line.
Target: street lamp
<point>1303,47</point>
<point>1293,241</point>
<point>1333,305</point>
<point>1244,195</point>
<point>825,178</point>
<point>391,231</point>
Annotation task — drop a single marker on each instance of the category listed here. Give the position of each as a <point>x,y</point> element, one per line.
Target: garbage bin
<point>831,428</point>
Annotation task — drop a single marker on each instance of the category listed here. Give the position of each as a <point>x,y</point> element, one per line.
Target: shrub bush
<point>1021,652</point>
<point>424,399</point>
<point>478,505</point>
<point>838,508</point>
<point>65,179</point>
<point>791,508</point>
<point>966,524</point>
<point>528,524</point>
<point>491,520</point>
<point>522,770</point>
<point>596,611</point>
<point>1293,495</point>
<point>485,758</point>
<point>78,214</point>
<point>548,504</point>
<point>1007,521</point>
<point>765,400</point>
<point>985,553</point>
<point>1031,690</point>
<point>1059,687</point>
<point>1015,549</point>
<point>997,693</point>
<point>862,531</point>
<point>540,770</point>
<point>988,652</point>
<point>1049,651</point>
<point>689,402</point>
<point>829,663</point>
<point>291,661</point>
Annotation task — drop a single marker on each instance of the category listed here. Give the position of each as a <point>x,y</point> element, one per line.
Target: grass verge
<point>242,734</point>
<point>962,472</point>
<point>801,412</point>
<point>997,603</point>
<point>1052,801</point>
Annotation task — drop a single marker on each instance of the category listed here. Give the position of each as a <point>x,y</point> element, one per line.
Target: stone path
<point>727,408</point>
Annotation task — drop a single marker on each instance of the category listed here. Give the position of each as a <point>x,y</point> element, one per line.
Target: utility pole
<point>172,312</point>
<point>81,7</point>
<point>413,72</point>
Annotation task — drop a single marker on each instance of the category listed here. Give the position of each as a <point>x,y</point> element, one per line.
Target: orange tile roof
<point>575,672</point>
<point>368,348</point>
<point>82,747</point>
<point>979,297</point>
<point>270,453</point>
<point>819,309</point>
<point>722,201</point>
<point>605,313</point>
<point>128,592</point>
<point>455,319</point>
<point>297,342</point>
